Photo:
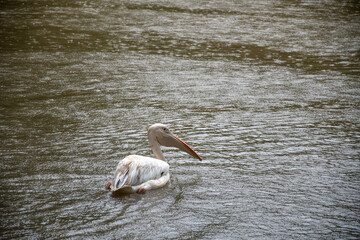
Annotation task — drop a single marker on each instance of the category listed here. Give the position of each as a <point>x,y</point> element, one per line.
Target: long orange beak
<point>171,140</point>
<point>184,147</point>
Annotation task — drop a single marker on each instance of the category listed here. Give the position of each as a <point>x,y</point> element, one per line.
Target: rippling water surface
<point>267,92</point>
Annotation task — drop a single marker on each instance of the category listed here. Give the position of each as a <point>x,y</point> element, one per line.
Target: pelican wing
<point>134,171</point>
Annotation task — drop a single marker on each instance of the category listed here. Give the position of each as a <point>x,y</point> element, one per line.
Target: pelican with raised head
<point>138,174</point>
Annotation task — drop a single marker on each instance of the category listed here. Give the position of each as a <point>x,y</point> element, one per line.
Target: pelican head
<point>159,134</point>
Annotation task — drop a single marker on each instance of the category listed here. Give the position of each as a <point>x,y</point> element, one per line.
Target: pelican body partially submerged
<point>139,174</point>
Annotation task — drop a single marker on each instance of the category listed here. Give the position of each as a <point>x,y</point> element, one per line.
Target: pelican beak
<point>171,140</point>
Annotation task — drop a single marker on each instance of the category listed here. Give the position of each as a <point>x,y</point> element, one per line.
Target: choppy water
<point>267,92</point>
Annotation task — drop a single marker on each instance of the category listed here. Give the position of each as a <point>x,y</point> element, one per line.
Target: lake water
<point>266,92</point>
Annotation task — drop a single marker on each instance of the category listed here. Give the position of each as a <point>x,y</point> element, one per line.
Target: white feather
<point>138,171</point>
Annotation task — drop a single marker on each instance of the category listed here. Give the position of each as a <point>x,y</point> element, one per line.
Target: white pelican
<point>138,174</point>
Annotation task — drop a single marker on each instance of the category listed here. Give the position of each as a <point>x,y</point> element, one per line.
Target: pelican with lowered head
<point>138,174</point>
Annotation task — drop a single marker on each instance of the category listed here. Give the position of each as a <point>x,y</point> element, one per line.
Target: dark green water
<point>267,92</point>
